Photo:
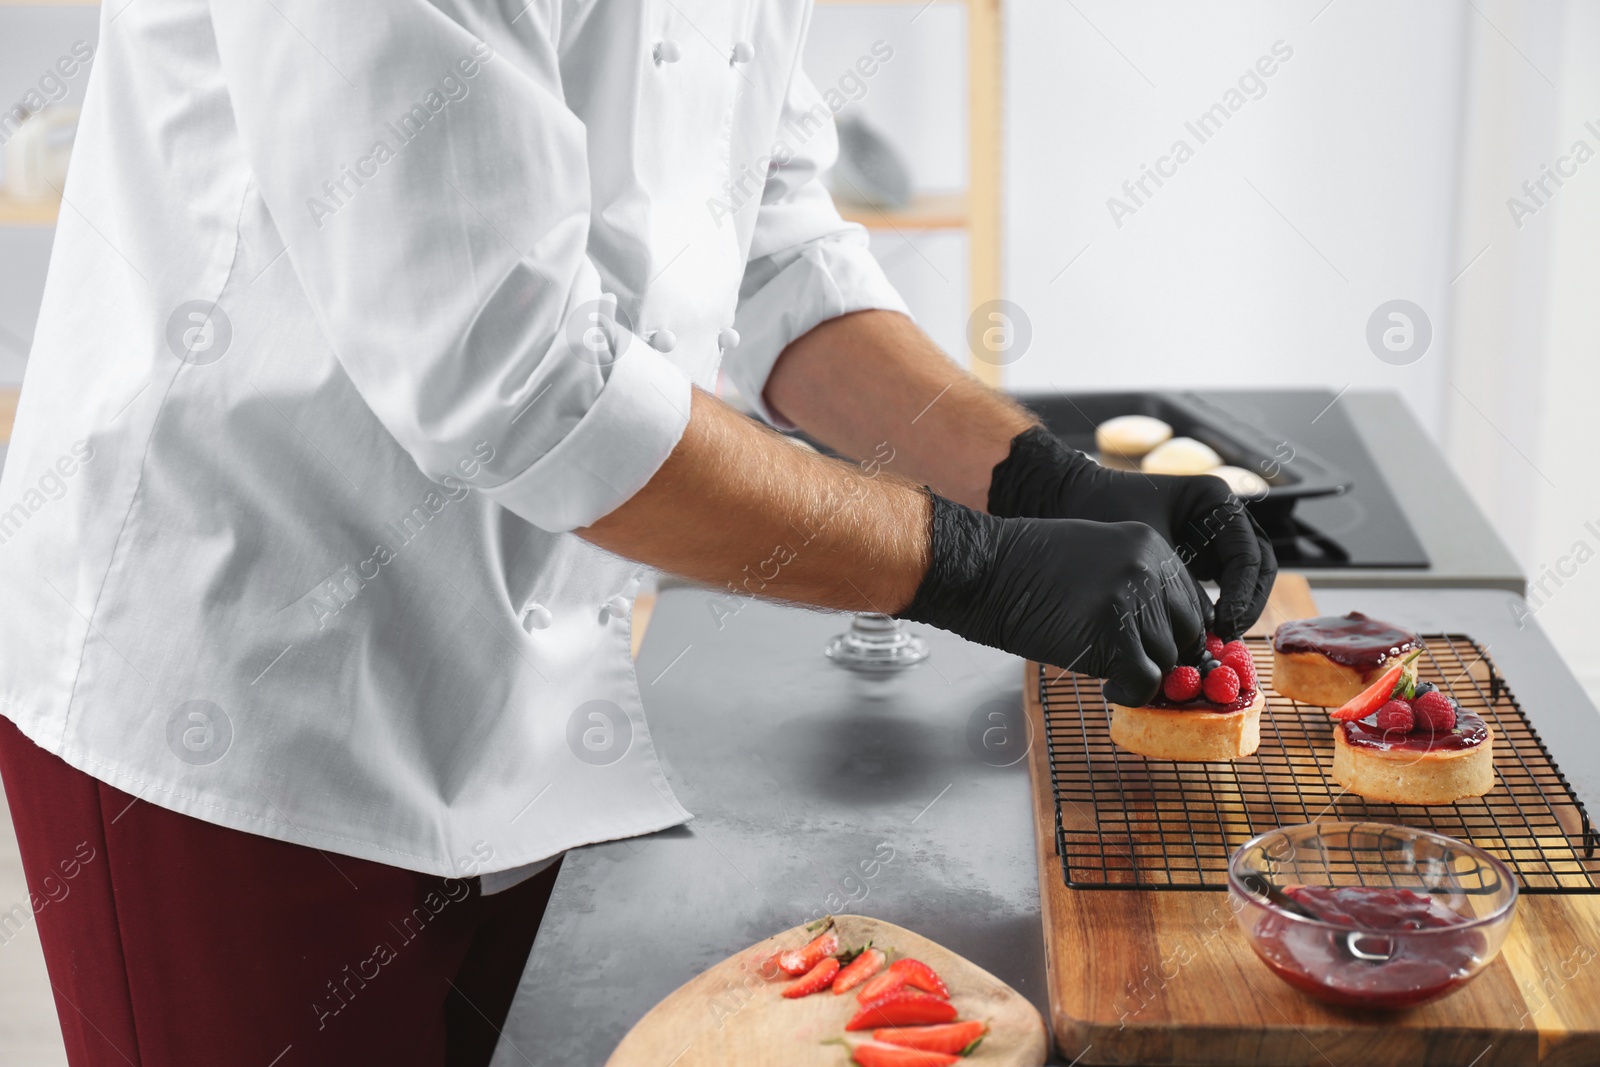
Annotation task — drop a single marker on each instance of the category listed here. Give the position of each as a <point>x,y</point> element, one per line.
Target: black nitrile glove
<point>1213,532</point>
<point>1110,600</point>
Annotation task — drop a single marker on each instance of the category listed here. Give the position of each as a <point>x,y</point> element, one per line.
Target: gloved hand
<point>1110,600</point>
<point>1213,532</point>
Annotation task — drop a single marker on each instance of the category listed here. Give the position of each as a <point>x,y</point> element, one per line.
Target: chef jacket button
<point>728,338</point>
<point>743,52</point>
<point>663,340</point>
<point>615,608</point>
<point>667,52</point>
<point>537,617</point>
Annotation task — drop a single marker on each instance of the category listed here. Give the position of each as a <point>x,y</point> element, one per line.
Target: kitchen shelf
<point>28,212</point>
<point>977,211</point>
<point>932,211</point>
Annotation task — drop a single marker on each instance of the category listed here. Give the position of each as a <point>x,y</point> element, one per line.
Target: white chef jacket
<point>355,310</point>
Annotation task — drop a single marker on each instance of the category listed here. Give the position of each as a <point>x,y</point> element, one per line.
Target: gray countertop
<point>797,772</point>
<point>1465,550</point>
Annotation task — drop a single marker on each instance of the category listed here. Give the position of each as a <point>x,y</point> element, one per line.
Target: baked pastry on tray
<point>1329,660</point>
<point>1402,741</point>
<point>1203,714</point>
<point>1130,436</point>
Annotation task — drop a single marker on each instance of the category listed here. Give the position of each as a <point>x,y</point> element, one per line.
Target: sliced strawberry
<point>903,1007</point>
<point>816,980</point>
<point>881,986</point>
<point>801,960</point>
<point>889,1056</point>
<point>864,966</point>
<point>920,976</point>
<point>1373,696</point>
<point>949,1037</point>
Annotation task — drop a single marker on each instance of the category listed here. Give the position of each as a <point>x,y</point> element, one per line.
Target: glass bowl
<point>1368,914</point>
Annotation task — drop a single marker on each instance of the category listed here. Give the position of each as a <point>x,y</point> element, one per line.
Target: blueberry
<point>1424,687</point>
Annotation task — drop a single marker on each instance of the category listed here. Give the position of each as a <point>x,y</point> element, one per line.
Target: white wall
<point>1521,426</point>
<point>1261,260</point>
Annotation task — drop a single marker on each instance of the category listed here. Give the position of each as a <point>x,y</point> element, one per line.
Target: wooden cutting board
<point>1165,977</point>
<point>730,1015</point>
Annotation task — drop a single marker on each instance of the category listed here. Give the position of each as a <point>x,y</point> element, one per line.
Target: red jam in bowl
<point>1352,640</point>
<point>1470,732</point>
<point>1405,970</point>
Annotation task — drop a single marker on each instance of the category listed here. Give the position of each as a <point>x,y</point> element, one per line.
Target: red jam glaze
<point>1419,968</point>
<point>1382,908</point>
<point>1244,700</point>
<point>1470,732</point>
<point>1352,640</point>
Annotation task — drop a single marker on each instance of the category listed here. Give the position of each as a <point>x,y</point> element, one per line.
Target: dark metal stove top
<point>1362,526</point>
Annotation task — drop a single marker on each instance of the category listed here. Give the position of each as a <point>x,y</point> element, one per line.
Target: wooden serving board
<point>731,1015</point>
<point>1142,976</point>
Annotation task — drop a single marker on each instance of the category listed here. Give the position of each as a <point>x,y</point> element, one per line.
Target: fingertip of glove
<point>1229,624</point>
<point>1117,693</point>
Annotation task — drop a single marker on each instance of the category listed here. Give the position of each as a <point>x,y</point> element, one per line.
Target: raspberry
<point>1181,684</point>
<point>1233,648</point>
<point>1222,686</point>
<point>1214,646</point>
<point>1435,712</point>
<point>1244,667</point>
<point>1396,715</point>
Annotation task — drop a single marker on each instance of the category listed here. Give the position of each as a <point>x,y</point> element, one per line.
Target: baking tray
<point>1292,471</point>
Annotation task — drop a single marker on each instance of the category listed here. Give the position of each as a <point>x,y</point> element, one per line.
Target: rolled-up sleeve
<point>434,200</point>
<point>806,265</point>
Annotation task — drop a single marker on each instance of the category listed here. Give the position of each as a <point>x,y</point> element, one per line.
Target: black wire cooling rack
<point>1127,822</point>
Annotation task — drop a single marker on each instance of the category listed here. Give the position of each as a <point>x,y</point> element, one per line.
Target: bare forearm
<point>872,377</point>
<point>736,504</point>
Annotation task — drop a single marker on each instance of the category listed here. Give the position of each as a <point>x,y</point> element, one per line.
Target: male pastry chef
<point>375,370</point>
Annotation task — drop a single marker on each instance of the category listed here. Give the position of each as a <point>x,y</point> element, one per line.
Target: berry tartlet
<point>1330,660</point>
<point>1203,714</point>
<point>1402,741</point>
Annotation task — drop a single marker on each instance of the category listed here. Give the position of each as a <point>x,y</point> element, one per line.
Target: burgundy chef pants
<point>174,942</point>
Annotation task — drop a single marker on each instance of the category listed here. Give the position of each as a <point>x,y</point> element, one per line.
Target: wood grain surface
<point>1165,977</point>
<point>731,1015</point>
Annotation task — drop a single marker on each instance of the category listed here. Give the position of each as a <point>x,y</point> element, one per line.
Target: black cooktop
<point>1329,507</point>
